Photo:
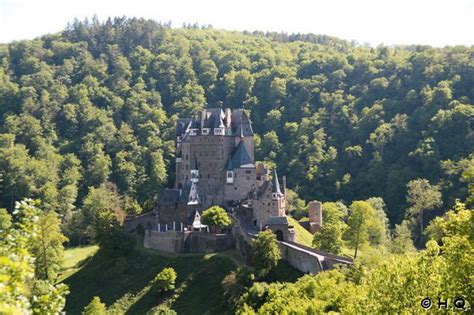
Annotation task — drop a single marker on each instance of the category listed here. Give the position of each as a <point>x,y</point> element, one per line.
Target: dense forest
<point>97,103</point>
<point>383,136</point>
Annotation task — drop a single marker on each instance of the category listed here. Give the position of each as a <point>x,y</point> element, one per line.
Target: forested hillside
<point>97,103</point>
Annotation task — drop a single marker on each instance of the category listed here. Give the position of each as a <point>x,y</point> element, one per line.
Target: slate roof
<point>240,157</point>
<point>216,118</point>
<point>169,197</point>
<point>192,195</point>
<point>241,125</point>
<point>229,166</point>
<point>276,184</point>
<point>278,221</point>
<point>213,118</point>
<point>182,125</point>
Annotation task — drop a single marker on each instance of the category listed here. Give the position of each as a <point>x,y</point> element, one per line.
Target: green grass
<point>124,283</point>
<point>303,236</point>
<point>74,258</point>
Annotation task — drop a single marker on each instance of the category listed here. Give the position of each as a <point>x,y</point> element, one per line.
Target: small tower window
<point>230,177</point>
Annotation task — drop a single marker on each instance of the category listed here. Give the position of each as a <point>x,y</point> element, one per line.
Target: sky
<point>389,22</point>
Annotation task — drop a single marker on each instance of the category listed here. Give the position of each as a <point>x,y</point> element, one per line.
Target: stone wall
<point>187,242</point>
<point>300,259</point>
<point>244,181</point>
<point>200,242</point>
<point>170,241</point>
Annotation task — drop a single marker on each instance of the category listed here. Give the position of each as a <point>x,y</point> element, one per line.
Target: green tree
<point>265,252</point>
<point>329,237</point>
<point>216,217</point>
<point>422,196</point>
<point>95,307</point>
<point>20,291</point>
<point>48,246</point>
<point>359,223</point>
<point>5,221</point>
<point>165,280</point>
<point>402,241</point>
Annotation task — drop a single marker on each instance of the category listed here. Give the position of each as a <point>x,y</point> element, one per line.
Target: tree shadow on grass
<point>110,277</point>
<point>124,279</point>
<point>198,289</point>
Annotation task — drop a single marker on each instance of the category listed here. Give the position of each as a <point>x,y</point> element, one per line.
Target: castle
<point>215,165</point>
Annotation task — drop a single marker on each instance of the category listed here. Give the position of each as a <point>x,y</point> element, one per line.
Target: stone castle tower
<point>215,151</point>
<point>215,165</point>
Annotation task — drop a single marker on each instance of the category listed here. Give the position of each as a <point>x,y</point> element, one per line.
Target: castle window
<point>248,178</point>
<point>219,131</point>
<point>248,172</point>
<point>187,157</point>
<point>208,176</point>
<point>186,166</point>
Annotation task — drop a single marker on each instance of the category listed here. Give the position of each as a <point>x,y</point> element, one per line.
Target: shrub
<point>165,280</point>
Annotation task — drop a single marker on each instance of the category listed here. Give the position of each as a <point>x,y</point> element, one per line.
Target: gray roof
<point>182,125</point>
<point>216,118</point>
<point>213,118</point>
<point>169,197</point>
<point>240,157</point>
<point>277,221</point>
<point>241,125</point>
<point>229,166</point>
<point>276,184</point>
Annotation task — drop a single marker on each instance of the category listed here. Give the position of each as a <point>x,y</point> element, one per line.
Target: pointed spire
<point>276,184</point>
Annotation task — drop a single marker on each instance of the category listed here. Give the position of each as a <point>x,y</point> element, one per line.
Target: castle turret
<point>276,191</point>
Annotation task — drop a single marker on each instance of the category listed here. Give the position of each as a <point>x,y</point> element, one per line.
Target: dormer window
<point>206,131</point>
<point>219,131</point>
<point>193,132</point>
<point>195,176</point>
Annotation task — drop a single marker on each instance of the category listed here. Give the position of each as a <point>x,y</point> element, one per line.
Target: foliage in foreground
<point>396,284</point>
<point>22,290</point>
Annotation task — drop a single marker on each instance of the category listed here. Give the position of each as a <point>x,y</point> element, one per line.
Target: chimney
<point>203,116</point>
<point>228,117</point>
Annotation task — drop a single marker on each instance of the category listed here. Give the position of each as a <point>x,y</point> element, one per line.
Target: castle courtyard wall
<point>177,242</point>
